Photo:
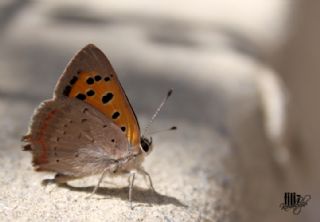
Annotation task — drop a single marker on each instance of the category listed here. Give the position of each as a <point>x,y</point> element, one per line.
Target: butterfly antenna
<point>164,130</point>
<point>157,111</point>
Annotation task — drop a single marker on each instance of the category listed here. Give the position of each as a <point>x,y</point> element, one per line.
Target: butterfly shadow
<point>139,195</point>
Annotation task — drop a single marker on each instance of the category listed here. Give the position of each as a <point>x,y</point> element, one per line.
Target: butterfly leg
<point>99,182</point>
<point>146,174</point>
<point>131,180</point>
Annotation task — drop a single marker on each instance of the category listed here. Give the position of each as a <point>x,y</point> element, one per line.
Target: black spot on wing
<point>81,96</point>
<point>107,97</point>
<point>90,92</point>
<point>97,78</point>
<point>90,81</point>
<point>115,115</point>
<point>73,80</point>
<point>67,90</point>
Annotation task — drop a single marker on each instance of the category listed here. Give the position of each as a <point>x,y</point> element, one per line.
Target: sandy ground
<point>219,165</point>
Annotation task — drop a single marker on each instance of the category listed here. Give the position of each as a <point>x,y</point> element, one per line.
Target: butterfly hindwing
<point>90,77</point>
<point>73,138</point>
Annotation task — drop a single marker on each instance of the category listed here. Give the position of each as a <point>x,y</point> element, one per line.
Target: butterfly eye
<point>145,145</point>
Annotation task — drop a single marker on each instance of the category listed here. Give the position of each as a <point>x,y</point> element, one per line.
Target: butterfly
<point>89,126</point>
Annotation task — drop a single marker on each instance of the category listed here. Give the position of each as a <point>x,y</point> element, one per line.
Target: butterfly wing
<point>73,138</point>
<point>90,77</point>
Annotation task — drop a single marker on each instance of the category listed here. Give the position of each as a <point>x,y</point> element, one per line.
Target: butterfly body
<point>88,127</point>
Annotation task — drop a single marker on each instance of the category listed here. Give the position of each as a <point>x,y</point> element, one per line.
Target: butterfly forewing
<point>89,77</point>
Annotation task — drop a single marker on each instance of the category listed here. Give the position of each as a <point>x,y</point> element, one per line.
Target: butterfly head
<point>146,145</point>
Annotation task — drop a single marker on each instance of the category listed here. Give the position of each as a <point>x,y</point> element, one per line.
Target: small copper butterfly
<point>89,126</point>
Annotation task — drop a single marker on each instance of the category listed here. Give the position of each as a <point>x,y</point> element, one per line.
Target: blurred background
<point>245,79</point>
